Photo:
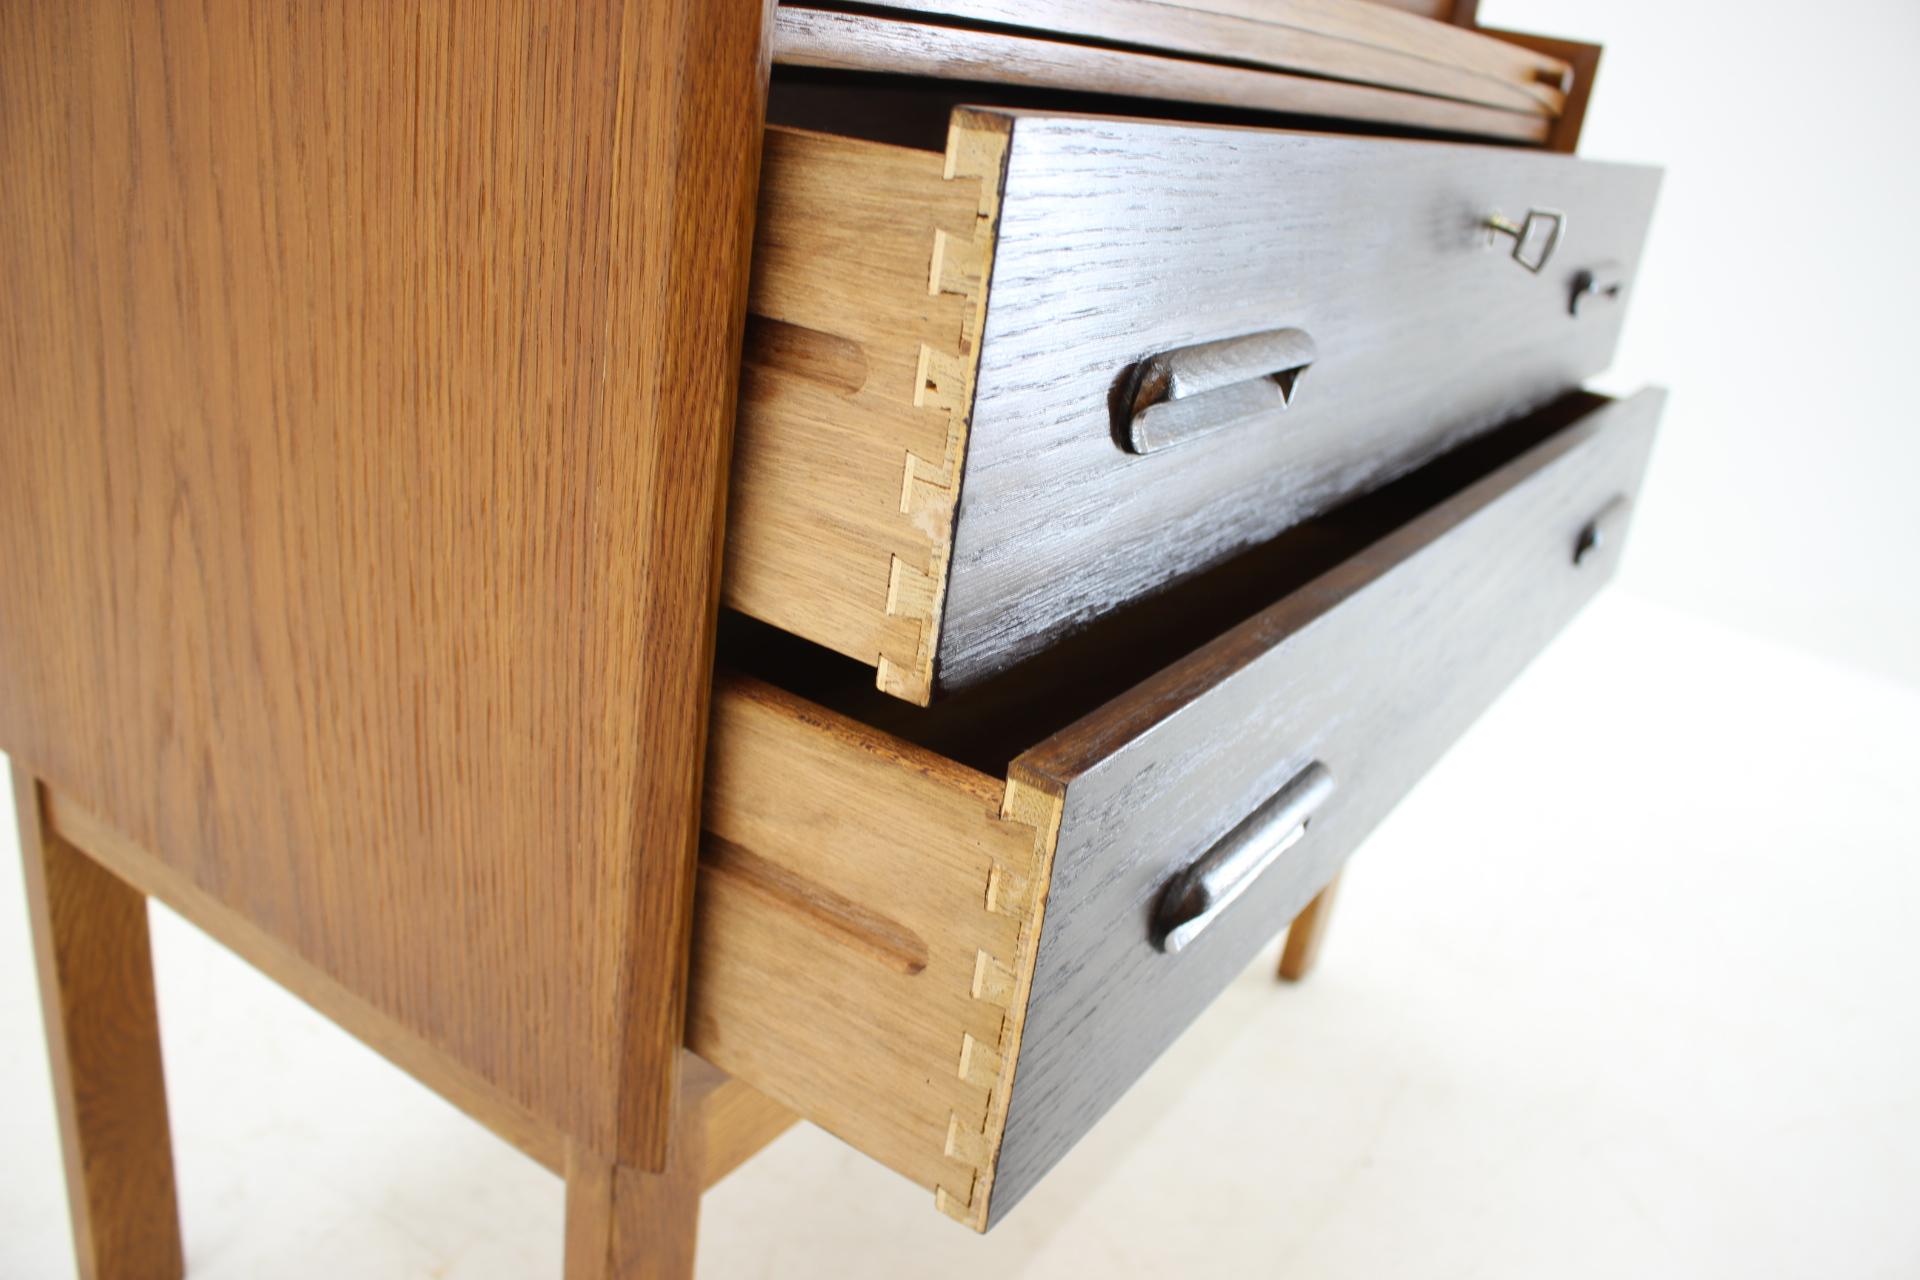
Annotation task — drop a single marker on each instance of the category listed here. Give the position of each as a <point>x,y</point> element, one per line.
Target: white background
<point>1628,986</point>
<point>1779,298</point>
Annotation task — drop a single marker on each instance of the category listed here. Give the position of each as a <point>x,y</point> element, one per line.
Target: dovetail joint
<point>973,1140</point>
<point>958,264</point>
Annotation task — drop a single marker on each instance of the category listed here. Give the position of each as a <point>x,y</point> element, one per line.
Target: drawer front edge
<point>1122,240</point>
<point>1372,670</point>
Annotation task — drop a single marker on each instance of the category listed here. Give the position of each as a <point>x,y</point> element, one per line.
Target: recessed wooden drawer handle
<point>1177,395</point>
<point>1535,239</point>
<point>1193,899</point>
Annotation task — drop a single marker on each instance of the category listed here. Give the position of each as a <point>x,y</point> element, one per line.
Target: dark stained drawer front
<point>1354,686</point>
<point>959,973</point>
<point>994,395</point>
<point>1120,242</point>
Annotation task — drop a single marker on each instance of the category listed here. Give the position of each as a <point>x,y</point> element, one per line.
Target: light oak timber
<point>1307,934</point>
<point>1396,27</point>
<point>1583,68</point>
<point>629,1224</point>
<point>867,912</point>
<point>736,1120</point>
<point>445,1075</point>
<point>1370,44</point>
<point>875,43</point>
<point>367,376</point>
<point>625,1223</point>
<point>869,287</point>
<point>1438,10</point>
<point>103,1038</point>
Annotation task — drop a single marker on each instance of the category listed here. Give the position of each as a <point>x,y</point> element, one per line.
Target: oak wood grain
<point>899,46</point>
<point>867,914</point>
<point>1438,10</point>
<point>405,1048</point>
<point>1176,235</point>
<point>625,1223</point>
<point>1308,933</point>
<point>103,1037</point>
<point>1371,670</point>
<point>1370,44</point>
<point>1583,69</point>
<point>367,376</point>
<point>736,1120</point>
<point>869,284</point>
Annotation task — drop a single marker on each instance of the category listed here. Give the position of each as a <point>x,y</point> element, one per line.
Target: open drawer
<point>992,395</point>
<point>959,975</point>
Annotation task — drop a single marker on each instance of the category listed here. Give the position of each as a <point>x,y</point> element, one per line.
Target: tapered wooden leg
<point>103,1036</point>
<point>628,1224</point>
<point>1306,933</point>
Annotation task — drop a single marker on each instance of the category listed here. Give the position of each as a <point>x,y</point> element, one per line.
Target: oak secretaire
<point>1112,447</point>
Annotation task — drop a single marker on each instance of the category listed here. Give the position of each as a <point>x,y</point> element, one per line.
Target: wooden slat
<point>1583,61</point>
<point>1438,10</point>
<point>867,914</point>
<point>736,1120</point>
<point>1365,43</point>
<point>366,380</point>
<point>1399,28</point>
<point>867,42</point>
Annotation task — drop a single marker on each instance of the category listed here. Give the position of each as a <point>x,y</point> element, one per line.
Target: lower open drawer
<point>959,974</point>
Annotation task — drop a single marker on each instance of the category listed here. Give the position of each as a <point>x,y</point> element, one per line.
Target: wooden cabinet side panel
<point>366,376</point>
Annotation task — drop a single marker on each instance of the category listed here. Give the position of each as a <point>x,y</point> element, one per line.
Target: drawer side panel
<point>869,287</point>
<point>864,934</point>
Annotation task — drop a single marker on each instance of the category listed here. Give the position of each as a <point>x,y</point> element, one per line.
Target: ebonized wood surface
<point>1372,669</point>
<point>1122,239</point>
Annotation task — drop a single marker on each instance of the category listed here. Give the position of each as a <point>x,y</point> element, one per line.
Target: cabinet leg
<point>103,1037</point>
<point>1306,933</point>
<point>628,1224</point>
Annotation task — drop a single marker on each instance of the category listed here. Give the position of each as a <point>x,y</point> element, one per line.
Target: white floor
<point>1629,987</point>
